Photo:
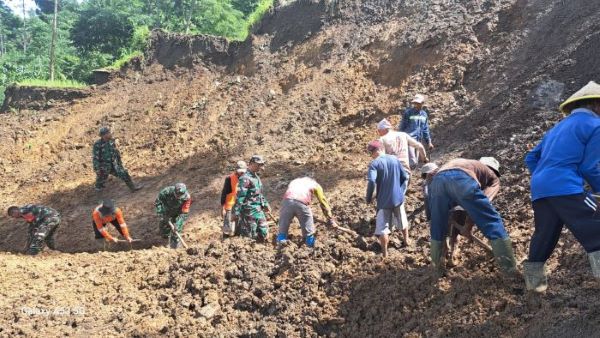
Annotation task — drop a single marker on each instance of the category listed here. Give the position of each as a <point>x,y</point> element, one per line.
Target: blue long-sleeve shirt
<point>416,124</point>
<point>386,173</point>
<point>568,154</point>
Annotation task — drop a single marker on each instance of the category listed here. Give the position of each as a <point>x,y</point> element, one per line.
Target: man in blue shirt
<point>385,173</point>
<point>415,122</point>
<point>566,158</point>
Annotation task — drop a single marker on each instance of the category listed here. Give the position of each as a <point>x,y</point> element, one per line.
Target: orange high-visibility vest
<point>230,199</point>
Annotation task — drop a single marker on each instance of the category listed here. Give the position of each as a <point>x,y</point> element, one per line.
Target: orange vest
<point>230,199</point>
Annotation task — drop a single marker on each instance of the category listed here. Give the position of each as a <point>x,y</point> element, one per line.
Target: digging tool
<point>124,240</point>
<point>416,212</point>
<point>360,240</point>
<point>276,221</point>
<point>474,238</point>
<point>173,231</point>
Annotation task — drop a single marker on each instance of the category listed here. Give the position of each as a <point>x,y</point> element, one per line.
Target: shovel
<point>360,240</point>
<point>173,231</point>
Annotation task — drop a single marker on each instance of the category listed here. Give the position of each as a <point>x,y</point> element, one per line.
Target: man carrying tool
<point>107,213</point>
<point>415,122</point>
<point>251,204</point>
<point>566,158</point>
<point>228,195</point>
<point>296,203</point>
<point>107,160</point>
<point>386,173</point>
<point>173,206</point>
<point>470,184</point>
<point>43,222</point>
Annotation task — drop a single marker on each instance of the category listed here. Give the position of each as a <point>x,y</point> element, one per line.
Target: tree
<point>102,30</point>
<point>53,42</point>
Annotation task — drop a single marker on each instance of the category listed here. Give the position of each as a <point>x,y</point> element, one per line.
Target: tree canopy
<point>97,33</point>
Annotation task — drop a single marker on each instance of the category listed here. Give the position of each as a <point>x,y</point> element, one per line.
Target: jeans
<point>455,187</point>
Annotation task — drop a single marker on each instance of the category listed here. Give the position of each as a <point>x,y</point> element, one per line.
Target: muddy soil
<point>308,100</point>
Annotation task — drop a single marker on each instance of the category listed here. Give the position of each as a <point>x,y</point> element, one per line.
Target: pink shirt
<point>301,189</point>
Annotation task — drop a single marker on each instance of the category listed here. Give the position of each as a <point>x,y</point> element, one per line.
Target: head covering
<point>181,191</point>
<point>419,98</point>
<point>428,168</point>
<point>103,131</point>
<point>375,145</point>
<point>241,166</point>
<point>107,207</point>
<point>492,163</point>
<point>257,159</point>
<point>384,124</point>
<point>589,91</point>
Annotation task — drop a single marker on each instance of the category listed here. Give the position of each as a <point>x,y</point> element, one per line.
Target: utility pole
<point>53,43</point>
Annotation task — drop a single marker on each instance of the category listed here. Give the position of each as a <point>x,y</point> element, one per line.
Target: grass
<point>124,59</point>
<point>263,7</point>
<point>51,84</point>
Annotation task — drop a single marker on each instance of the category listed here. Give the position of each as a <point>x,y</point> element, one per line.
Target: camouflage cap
<point>104,130</point>
<point>181,191</point>
<point>257,159</point>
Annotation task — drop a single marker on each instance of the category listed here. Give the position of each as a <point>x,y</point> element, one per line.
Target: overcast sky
<point>17,5</point>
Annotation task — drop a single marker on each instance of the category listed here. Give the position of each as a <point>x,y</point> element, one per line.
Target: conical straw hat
<point>589,91</point>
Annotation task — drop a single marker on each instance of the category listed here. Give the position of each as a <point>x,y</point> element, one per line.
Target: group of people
<point>567,157</point>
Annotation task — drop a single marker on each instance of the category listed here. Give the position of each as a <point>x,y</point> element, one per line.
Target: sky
<point>17,6</point>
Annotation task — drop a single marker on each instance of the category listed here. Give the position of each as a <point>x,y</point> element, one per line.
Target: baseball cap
<point>374,146</point>
<point>492,163</point>
<point>241,166</point>
<point>258,159</point>
<point>419,98</point>
<point>181,191</point>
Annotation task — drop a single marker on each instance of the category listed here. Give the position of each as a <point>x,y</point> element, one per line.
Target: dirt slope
<point>305,91</point>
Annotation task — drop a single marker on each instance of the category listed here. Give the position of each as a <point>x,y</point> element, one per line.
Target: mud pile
<point>306,92</point>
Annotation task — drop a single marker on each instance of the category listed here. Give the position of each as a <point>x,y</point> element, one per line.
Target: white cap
<point>419,98</point>
<point>492,163</point>
<point>384,124</point>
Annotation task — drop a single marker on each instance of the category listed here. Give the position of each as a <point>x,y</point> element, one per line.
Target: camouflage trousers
<point>165,228</point>
<point>118,171</point>
<point>253,224</point>
<point>42,233</point>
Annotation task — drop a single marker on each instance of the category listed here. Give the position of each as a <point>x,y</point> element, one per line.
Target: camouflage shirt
<point>168,203</point>
<point>37,214</point>
<point>250,195</point>
<point>106,155</point>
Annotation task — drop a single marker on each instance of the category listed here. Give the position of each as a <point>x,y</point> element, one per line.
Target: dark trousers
<point>114,222</point>
<point>578,212</point>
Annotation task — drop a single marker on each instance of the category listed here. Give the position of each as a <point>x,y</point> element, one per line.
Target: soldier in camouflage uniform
<point>173,205</point>
<point>43,222</point>
<point>251,204</point>
<point>107,160</point>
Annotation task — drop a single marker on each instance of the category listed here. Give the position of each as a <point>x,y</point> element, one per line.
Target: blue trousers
<point>578,212</point>
<point>454,187</point>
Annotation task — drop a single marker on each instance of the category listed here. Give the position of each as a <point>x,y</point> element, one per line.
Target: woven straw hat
<point>589,91</point>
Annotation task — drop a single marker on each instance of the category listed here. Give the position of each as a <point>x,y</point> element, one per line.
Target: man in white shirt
<point>396,143</point>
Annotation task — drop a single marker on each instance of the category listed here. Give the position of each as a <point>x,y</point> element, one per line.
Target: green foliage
<point>125,59</point>
<point>100,33</point>
<point>51,84</point>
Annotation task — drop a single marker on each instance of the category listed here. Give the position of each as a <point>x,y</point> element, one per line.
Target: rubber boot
<point>437,251</point>
<point>594,258</point>
<point>536,276</point>
<point>310,241</point>
<point>505,257</point>
<point>133,187</point>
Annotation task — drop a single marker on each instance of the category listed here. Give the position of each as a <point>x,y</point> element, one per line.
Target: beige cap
<point>419,98</point>
<point>428,168</point>
<point>589,91</point>
<point>492,163</point>
<point>241,166</point>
